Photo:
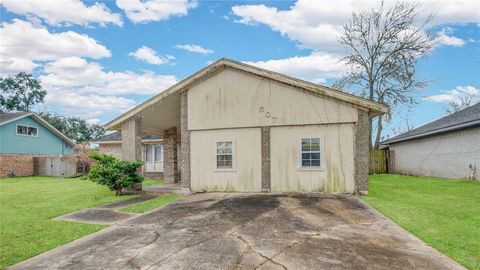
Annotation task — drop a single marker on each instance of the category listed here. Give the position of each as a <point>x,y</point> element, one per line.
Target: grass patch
<point>443,213</point>
<point>28,204</point>
<point>146,206</point>
<point>153,182</point>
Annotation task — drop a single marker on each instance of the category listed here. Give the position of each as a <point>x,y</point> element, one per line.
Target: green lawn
<point>153,182</point>
<point>146,206</point>
<point>443,213</point>
<point>26,206</point>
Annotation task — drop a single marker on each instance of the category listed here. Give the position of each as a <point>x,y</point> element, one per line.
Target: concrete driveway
<point>232,231</point>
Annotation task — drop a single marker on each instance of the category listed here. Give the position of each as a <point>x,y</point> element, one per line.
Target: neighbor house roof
<point>375,107</point>
<point>466,118</point>
<point>116,137</point>
<point>6,118</point>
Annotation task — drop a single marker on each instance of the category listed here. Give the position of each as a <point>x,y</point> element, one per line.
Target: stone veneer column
<point>132,144</point>
<point>131,140</point>
<point>170,170</point>
<point>266,184</point>
<point>362,134</point>
<point>184,143</point>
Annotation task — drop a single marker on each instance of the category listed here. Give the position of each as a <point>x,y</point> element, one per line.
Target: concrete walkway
<point>250,231</point>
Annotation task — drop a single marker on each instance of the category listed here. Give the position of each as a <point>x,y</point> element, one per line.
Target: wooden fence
<point>378,161</point>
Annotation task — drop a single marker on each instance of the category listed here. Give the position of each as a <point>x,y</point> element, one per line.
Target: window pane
<point>305,144</point>
<point>224,147</point>
<point>148,153</point>
<point>315,155</point>
<point>32,131</point>
<point>224,161</point>
<point>22,130</point>
<point>306,156</point>
<point>306,163</point>
<point>158,153</point>
<point>315,144</point>
<point>315,162</point>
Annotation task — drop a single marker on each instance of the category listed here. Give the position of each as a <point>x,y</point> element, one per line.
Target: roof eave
<point>374,108</point>
<point>433,132</point>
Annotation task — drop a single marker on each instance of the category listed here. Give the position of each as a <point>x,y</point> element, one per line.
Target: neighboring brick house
<point>448,147</point>
<point>236,127</point>
<point>24,135</point>
<point>152,151</point>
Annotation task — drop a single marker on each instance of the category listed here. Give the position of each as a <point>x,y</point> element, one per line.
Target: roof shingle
<point>462,119</point>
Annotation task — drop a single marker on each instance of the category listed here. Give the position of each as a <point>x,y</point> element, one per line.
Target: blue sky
<point>97,59</point>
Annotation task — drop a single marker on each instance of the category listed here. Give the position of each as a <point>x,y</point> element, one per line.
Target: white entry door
<point>154,157</point>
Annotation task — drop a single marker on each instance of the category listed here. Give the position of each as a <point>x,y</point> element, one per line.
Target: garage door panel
<point>336,159</point>
<point>245,176</point>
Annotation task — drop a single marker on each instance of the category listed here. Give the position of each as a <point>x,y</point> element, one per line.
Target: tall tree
<point>384,47</point>
<point>75,128</point>
<point>20,92</point>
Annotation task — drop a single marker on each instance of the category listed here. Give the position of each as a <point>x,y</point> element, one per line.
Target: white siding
<point>446,155</point>
<point>246,175</point>
<point>337,162</point>
<point>233,99</point>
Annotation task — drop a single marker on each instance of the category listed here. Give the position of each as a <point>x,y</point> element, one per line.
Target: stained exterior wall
<point>336,159</point>
<point>246,175</point>
<point>233,104</point>
<point>114,149</point>
<point>446,155</point>
<point>232,98</point>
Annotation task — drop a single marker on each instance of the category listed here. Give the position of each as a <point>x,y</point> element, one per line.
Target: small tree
<point>114,173</point>
<point>20,92</point>
<point>384,47</point>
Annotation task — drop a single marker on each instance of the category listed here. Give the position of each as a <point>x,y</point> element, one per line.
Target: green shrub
<point>114,173</point>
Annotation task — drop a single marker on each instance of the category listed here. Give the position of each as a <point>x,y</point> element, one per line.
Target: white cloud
<point>456,94</point>
<point>316,67</point>
<point>14,65</point>
<point>56,12</point>
<point>194,48</point>
<point>87,106</point>
<point>154,10</point>
<point>150,56</point>
<point>89,77</point>
<point>316,24</point>
<point>22,42</point>
<point>78,87</point>
<point>443,38</point>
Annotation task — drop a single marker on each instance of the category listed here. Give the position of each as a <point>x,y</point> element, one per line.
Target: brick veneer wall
<point>114,149</point>
<point>21,164</point>
<point>170,168</point>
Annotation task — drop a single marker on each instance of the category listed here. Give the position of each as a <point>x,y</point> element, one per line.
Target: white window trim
<point>26,135</point>
<point>233,168</point>
<point>311,168</point>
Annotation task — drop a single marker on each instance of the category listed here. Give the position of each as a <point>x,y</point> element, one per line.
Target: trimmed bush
<point>114,173</point>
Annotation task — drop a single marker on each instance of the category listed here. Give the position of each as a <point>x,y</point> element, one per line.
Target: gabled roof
<point>6,118</point>
<point>465,118</point>
<point>374,107</point>
<point>116,137</point>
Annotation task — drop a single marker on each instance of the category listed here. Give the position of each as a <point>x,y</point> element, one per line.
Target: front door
<point>154,158</point>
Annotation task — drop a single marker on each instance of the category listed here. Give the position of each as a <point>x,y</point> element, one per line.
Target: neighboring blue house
<point>28,133</point>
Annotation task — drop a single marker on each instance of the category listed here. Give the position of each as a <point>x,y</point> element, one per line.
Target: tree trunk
<point>370,126</point>
<point>379,132</point>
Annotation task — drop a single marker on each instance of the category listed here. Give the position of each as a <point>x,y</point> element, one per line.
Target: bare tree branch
<point>385,46</point>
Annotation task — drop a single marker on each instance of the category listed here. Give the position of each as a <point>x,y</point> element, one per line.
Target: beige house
<point>235,127</point>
